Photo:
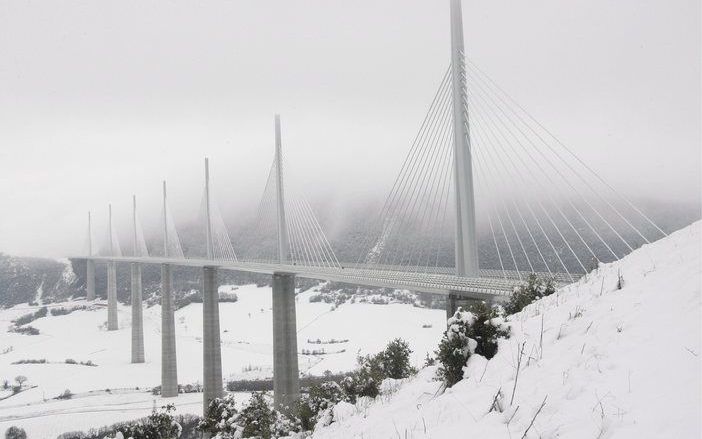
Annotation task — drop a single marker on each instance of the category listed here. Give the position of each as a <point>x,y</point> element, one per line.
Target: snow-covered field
<point>608,364</point>
<point>246,353</point>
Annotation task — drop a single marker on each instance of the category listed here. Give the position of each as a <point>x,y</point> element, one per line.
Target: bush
<point>454,348</point>
<point>24,330</point>
<point>317,403</point>
<point>486,330</point>
<point>468,333</point>
<point>534,289</point>
<point>395,360</point>
<point>256,419</point>
<point>65,395</point>
<point>15,433</point>
<point>61,311</point>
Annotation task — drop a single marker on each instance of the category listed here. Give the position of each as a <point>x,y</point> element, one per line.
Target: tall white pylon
<point>466,243</point>
<point>283,243</point>
<point>208,212</point>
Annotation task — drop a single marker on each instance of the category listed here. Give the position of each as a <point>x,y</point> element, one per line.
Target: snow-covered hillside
<point>246,353</point>
<point>607,363</point>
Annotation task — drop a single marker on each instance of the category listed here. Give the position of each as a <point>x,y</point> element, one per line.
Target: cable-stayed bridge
<point>485,196</point>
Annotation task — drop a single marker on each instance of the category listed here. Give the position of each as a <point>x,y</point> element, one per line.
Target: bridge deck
<point>490,283</point>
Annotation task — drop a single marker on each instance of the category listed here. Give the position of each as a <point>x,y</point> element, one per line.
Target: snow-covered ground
<point>608,363</point>
<point>246,353</point>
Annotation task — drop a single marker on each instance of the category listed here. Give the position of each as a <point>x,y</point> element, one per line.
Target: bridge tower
<point>137,311</point>
<point>90,265</point>
<point>169,366</point>
<point>286,377</point>
<point>111,281</point>
<point>211,346</point>
<point>466,243</point>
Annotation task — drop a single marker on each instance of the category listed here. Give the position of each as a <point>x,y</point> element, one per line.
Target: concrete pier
<point>169,369</point>
<point>90,279</point>
<point>211,347</point>
<point>286,377</point>
<point>112,296</point>
<point>137,316</point>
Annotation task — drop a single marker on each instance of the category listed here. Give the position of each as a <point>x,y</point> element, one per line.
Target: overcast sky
<point>103,99</point>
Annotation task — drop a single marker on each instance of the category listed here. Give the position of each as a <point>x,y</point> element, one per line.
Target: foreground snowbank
<point>607,363</point>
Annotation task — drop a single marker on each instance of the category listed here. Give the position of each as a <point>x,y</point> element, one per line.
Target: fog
<point>100,100</point>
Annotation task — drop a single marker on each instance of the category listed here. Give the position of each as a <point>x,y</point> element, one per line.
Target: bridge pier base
<point>112,296</point>
<point>90,279</point>
<point>286,376</point>
<point>169,367</point>
<point>455,301</point>
<point>137,315</point>
<point>211,347</point>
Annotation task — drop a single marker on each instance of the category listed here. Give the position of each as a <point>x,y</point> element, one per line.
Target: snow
<point>246,353</point>
<point>608,363</point>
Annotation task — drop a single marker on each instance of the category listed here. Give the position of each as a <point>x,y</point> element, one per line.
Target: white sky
<point>102,99</point>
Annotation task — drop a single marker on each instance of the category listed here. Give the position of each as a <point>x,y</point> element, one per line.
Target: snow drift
<point>596,362</point>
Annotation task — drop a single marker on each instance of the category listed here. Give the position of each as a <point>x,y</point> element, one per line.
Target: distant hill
<point>24,280</point>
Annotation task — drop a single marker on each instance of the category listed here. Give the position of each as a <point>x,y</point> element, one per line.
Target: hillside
<point>24,280</point>
<point>607,363</point>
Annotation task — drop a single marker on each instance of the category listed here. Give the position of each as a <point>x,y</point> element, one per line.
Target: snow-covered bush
<point>257,419</point>
<point>316,404</point>
<point>468,332</point>
<point>15,433</point>
<point>486,329</point>
<point>534,289</point>
<point>396,360</point>
<point>455,348</point>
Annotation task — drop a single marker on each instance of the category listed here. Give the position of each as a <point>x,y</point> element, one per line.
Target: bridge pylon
<point>286,376</point>
<point>111,281</point>
<point>137,310</point>
<point>466,244</point>
<point>169,366</point>
<point>211,346</point>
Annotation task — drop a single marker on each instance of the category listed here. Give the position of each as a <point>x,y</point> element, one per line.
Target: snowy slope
<point>246,345</point>
<point>615,363</point>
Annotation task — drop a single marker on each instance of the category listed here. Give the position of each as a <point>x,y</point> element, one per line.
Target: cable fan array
<point>307,243</point>
<point>539,208</point>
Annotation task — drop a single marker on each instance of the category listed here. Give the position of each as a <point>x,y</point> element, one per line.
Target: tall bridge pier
<point>137,315</point>
<point>90,280</point>
<point>112,296</point>
<point>137,311</point>
<point>211,346</point>
<point>286,376</point>
<point>112,324</point>
<point>169,367</point>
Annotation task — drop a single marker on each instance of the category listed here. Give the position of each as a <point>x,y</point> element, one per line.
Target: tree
<point>15,433</point>
<point>20,379</point>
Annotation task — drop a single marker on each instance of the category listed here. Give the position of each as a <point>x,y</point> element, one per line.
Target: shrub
<point>15,433</point>
<point>534,289</point>
<point>65,395</point>
<point>24,330</point>
<point>317,404</point>
<point>486,330</point>
<point>256,419</point>
<point>395,360</point>
<point>454,348</point>
<point>468,333</point>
